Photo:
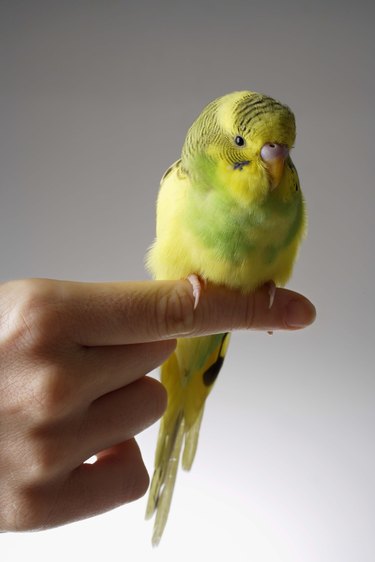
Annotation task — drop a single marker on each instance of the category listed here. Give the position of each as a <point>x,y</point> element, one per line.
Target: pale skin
<point>73,364</point>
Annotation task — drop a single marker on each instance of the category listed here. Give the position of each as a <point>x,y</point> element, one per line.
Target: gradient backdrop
<point>95,100</point>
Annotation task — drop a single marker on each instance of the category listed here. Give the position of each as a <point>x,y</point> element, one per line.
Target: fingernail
<point>299,314</point>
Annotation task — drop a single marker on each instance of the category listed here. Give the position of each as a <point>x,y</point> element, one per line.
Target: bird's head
<point>241,143</point>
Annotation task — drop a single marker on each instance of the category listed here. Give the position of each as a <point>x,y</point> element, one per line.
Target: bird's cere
<point>274,156</point>
<point>273,151</point>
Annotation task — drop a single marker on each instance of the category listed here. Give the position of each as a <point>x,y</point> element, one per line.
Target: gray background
<point>95,100</point>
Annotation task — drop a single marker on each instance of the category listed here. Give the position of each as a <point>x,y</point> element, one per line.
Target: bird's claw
<point>196,284</point>
<point>271,292</point>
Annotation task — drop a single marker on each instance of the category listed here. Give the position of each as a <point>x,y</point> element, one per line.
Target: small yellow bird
<point>231,212</point>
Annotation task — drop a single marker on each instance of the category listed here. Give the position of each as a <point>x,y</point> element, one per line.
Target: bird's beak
<point>276,169</point>
<point>274,156</point>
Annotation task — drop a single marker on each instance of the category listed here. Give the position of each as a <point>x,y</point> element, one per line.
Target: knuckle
<point>52,393</point>
<point>249,311</point>
<point>44,459</point>
<point>175,312</point>
<point>44,454</point>
<point>259,314</point>
<point>40,398</point>
<point>31,319</point>
<point>24,509</point>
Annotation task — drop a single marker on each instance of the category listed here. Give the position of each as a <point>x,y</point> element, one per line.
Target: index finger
<point>135,312</point>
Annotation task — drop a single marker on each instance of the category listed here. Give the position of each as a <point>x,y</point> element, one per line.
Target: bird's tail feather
<point>191,442</point>
<point>188,375</point>
<point>164,478</point>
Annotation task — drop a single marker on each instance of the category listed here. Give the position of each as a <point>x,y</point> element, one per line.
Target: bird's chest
<point>237,237</point>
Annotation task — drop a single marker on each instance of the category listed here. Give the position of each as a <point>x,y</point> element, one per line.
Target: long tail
<point>188,375</point>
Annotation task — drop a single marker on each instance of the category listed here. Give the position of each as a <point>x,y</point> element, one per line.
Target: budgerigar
<point>230,211</point>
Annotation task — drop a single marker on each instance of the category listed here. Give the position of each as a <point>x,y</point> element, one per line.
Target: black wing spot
<point>210,375</point>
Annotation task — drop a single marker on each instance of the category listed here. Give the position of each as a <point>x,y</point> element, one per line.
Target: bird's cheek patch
<point>240,165</point>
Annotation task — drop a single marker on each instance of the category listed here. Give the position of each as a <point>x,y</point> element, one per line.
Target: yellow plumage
<point>229,211</point>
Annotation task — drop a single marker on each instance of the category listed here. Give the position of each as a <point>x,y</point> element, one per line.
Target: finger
<point>97,314</point>
<point>118,476</point>
<point>165,309</point>
<point>54,450</point>
<point>116,417</point>
<point>112,367</point>
<point>289,310</point>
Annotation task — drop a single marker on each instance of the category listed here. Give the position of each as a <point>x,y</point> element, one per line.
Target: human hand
<point>72,362</point>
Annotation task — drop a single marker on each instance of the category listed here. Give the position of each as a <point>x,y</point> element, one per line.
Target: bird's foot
<point>196,284</point>
<point>271,292</point>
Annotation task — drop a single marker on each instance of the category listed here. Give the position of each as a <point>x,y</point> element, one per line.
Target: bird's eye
<point>240,141</point>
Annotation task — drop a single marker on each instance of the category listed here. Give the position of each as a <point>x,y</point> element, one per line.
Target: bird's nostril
<point>272,150</point>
